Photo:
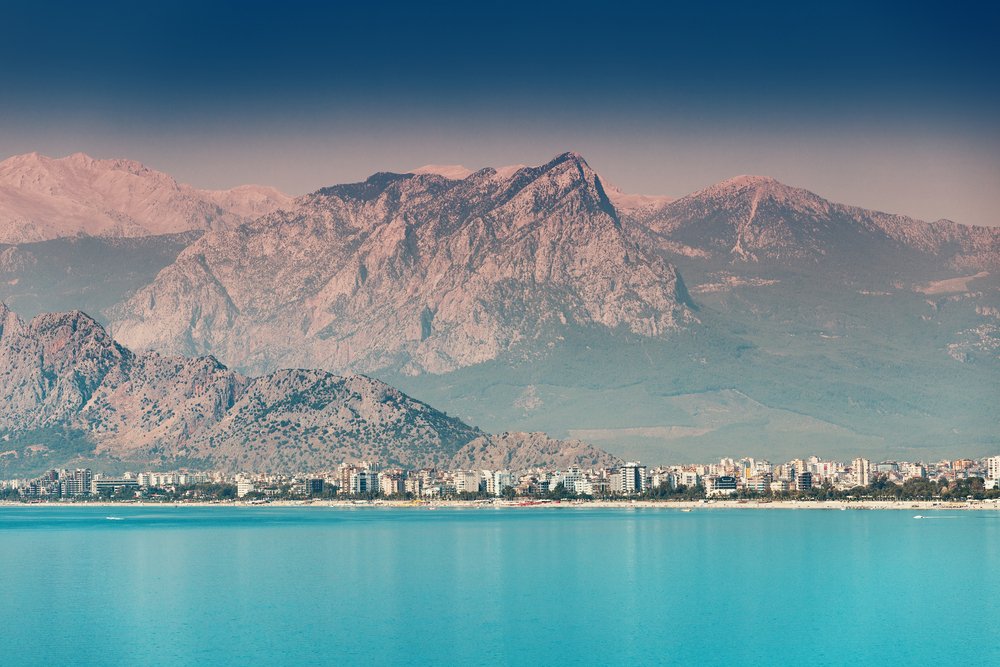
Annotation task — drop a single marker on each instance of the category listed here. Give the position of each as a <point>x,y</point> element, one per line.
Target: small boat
<point>919,516</point>
<point>115,518</point>
<point>686,509</point>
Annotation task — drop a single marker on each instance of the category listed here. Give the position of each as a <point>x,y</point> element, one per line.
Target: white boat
<point>114,518</point>
<point>919,516</point>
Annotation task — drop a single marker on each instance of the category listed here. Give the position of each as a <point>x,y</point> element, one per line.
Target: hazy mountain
<point>758,219</point>
<point>89,273</point>
<point>43,198</point>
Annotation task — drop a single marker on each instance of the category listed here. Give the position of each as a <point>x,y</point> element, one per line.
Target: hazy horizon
<point>861,103</point>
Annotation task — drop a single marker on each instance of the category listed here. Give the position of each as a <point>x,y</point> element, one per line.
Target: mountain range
<point>748,316</point>
<point>42,198</point>
<point>415,273</point>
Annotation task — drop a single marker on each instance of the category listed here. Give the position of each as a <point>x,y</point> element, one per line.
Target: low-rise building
<point>720,485</point>
<point>104,485</point>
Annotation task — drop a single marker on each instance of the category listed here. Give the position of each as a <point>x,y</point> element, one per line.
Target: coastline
<point>690,505</point>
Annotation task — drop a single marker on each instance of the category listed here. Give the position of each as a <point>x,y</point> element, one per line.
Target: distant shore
<point>691,505</point>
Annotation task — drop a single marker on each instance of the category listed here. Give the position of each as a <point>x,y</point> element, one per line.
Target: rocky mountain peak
<point>10,323</point>
<point>41,172</point>
<point>72,324</point>
<point>746,181</point>
<point>416,272</point>
<point>573,164</point>
<point>571,157</point>
<point>84,161</point>
<point>748,218</point>
<point>749,188</point>
<point>455,172</point>
<point>565,184</point>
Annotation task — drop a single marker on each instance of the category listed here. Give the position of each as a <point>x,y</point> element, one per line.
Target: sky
<point>892,106</point>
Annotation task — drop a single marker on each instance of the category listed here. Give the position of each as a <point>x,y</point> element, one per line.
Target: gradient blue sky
<point>890,106</point>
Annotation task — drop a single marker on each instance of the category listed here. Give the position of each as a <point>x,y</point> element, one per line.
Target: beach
<point>684,505</point>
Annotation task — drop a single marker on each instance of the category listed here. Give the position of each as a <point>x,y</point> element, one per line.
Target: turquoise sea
<point>314,585</point>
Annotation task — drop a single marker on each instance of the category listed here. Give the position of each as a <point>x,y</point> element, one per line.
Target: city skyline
<point>729,477</point>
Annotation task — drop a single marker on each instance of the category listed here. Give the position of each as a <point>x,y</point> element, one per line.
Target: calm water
<point>255,585</point>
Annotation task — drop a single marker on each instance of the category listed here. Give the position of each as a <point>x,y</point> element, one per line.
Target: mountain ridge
<point>428,274</point>
<point>432,273</point>
<point>63,371</point>
<point>751,215</point>
<point>42,198</point>
<point>538,298</point>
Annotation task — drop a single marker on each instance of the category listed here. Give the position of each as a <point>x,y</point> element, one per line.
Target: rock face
<point>521,451</point>
<point>43,198</point>
<point>411,272</point>
<point>64,371</point>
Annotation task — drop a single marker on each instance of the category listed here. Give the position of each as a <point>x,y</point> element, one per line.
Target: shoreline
<point>690,505</point>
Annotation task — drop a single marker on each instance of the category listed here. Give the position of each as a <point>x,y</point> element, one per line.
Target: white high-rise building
<point>363,482</point>
<point>497,481</point>
<point>662,479</point>
<point>862,469</point>
<point>78,483</point>
<point>689,478</point>
<point>632,478</point>
<point>466,481</point>
<point>571,479</point>
<point>390,483</point>
<point>993,467</point>
<point>413,484</point>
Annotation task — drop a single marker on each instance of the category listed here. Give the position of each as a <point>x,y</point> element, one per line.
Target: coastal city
<point>809,478</point>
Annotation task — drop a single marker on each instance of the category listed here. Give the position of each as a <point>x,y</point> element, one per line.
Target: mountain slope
<point>69,394</point>
<point>63,371</point>
<point>43,198</point>
<point>520,451</point>
<point>412,272</point>
<point>755,219</point>
<point>88,273</point>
